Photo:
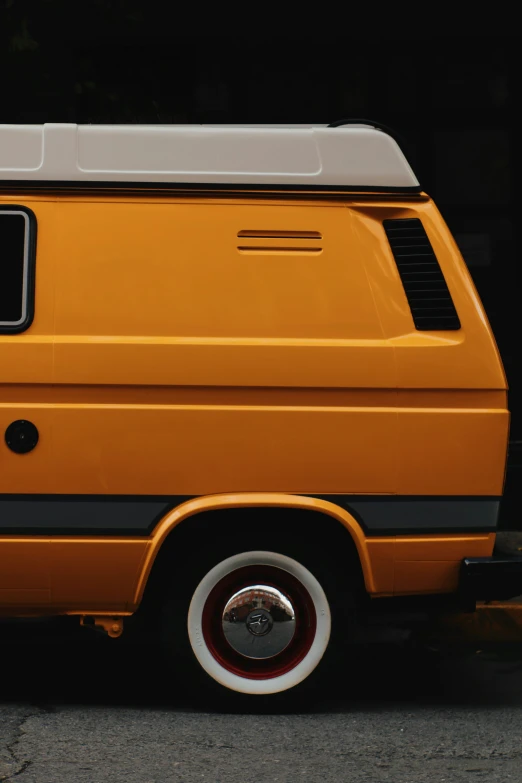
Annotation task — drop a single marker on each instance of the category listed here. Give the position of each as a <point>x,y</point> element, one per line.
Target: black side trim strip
<point>401,515</point>
<point>138,515</point>
<point>85,515</point>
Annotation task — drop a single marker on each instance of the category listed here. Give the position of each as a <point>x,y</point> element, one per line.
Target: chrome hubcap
<point>258,621</point>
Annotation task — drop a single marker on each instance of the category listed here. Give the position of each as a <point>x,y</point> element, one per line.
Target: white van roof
<point>352,157</point>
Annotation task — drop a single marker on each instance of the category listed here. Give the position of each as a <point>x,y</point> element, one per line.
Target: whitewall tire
<point>259,623</point>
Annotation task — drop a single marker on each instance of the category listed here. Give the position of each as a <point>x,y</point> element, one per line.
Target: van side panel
<point>191,347</point>
<point>157,301</point>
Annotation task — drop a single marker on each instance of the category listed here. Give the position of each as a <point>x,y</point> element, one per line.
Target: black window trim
<point>16,327</point>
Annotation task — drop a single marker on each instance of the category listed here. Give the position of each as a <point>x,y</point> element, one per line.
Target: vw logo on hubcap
<point>259,623</point>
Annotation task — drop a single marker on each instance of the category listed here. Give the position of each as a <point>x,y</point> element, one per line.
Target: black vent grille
<point>428,295</point>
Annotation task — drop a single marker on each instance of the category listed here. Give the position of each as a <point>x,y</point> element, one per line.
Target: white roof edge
<point>350,156</point>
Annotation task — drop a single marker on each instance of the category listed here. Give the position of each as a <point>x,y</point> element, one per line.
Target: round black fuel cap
<point>21,436</point>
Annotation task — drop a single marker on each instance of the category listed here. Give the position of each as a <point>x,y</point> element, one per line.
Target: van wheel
<point>256,623</point>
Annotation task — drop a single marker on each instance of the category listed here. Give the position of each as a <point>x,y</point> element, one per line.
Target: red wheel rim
<point>268,668</point>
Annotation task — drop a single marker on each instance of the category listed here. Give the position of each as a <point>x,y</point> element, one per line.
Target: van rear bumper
<point>489,579</point>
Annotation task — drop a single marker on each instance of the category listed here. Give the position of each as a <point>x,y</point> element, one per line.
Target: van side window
<point>17,257</point>
<point>426,289</point>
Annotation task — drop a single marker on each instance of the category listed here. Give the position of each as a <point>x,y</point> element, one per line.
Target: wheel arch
<point>171,526</point>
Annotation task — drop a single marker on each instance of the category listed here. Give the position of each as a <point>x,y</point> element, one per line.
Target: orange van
<point>246,382</point>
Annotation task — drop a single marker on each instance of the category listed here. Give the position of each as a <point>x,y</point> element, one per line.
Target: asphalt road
<point>75,707</point>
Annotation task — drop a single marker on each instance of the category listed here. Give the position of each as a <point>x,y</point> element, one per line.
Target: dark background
<point>453,98</point>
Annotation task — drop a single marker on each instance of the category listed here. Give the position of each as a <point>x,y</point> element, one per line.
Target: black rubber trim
<point>31,264</point>
<point>138,515</point>
<point>203,187</point>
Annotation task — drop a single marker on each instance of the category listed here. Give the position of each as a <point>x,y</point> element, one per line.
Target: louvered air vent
<point>428,295</point>
<point>263,242</point>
